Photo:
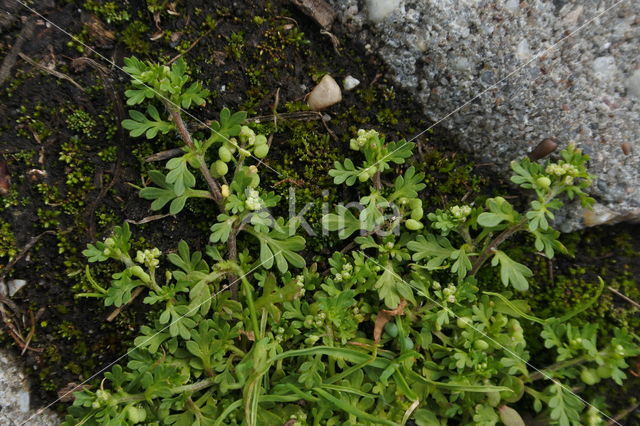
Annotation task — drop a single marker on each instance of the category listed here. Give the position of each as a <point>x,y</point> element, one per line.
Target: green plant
<point>375,338</point>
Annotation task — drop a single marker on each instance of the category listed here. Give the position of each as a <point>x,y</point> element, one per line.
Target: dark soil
<point>248,54</point>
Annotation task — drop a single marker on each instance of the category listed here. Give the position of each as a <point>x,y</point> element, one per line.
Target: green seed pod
<point>231,145</point>
<point>415,203</point>
<point>261,151</point>
<point>224,154</point>
<point>589,376</point>
<point>464,322</point>
<point>604,371</point>
<point>481,345</point>
<point>413,225</point>
<point>407,343</point>
<point>416,214</point>
<point>261,140</point>
<point>220,168</point>
<point>363,176</point>
<point>391,328</point>
<point>255,181</point>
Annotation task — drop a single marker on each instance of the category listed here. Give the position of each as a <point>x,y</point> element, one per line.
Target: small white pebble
<point>350,83</point>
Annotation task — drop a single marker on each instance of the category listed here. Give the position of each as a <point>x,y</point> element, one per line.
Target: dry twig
<point>54,73</point>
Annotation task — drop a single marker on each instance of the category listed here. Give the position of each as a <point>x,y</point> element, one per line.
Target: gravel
<point>15,398</point>
<point>536,80</point>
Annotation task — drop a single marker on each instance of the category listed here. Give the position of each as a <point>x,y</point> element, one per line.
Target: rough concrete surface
<point>14,397</point>
<point>563,69</point>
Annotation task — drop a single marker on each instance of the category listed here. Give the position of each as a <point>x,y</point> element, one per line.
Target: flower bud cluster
<point>460,212</point>
<point>148,257</point>
<point>247,135</point>
<point>345,274</point>
<point>254,202</point>
<point>299,280</point>
<point>110,248</point>
<point>450,293</point>
<point>364,138</point>
<point>562,169</point>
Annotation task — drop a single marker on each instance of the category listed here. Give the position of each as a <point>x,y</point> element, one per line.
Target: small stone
<point>633,84</point>
<point>523,52</point>
<point>572,17</point>
<point>512,5</point>
<point>380,9</point>
<point>23,401</point>
<point>544,148</point>
<point>350,83</point>
<point>325,94</point>
<point>626,148</point>
<point>604,67</point>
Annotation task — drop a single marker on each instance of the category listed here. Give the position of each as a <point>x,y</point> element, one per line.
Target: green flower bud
<point>481,345</point>
<point>224,154</point>
<point>220,168</point>
<point>261,140</point>
<point>363,176</point>
<point>391,328</point>
<point>413,225</point>
<point>543,182</point>
<point>604,371</point>
<point>261,151</point>
<point>589,376</point>
<point>407,343</point>
<point>463,322</point>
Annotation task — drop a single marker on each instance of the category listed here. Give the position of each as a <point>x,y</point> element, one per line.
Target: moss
<point>8,247</point>
<point>48,218</point>
<point>81,122</point>
<point>235,46</point>
<point>109,154</point>
<point>108,10</point>
<point>134,36</point>
<point>28,157</point>
<point>29,124</point>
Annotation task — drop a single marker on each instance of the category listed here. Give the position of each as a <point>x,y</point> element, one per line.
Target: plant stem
<point>194,387</point>
<point>248,292</point>
<point>214,187</point>
<point>493,245</point>
<point>377,183</point>
<point>557,366</point>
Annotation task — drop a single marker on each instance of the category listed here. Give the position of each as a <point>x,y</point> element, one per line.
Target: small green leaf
<point>512,272</point>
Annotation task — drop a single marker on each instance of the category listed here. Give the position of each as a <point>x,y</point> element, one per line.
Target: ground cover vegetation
<point>76,175</point>
<point>396,329</point>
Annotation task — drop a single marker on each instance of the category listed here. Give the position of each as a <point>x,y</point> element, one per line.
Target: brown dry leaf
<point>175,37</point>
<point>218,57</point>
<point>66,393</point>
<point>383,318</point>
<point>157,35</point>
<point>249,334</point>
<point>171,9</point>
